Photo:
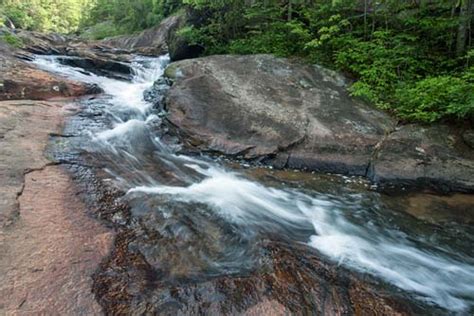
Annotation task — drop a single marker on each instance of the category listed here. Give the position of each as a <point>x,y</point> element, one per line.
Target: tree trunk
<point>10,24</point>
<point>464,26</point>
<point>290,10</point>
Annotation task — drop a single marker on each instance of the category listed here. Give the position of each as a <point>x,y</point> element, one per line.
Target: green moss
<point>170,71</point>
<point>12,40</point>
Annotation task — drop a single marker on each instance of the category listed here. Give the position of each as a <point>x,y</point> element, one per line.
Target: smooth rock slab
<point>48,258</point>
<point>49,245</point>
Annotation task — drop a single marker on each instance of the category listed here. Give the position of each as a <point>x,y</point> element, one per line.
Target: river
<point>215,213</point>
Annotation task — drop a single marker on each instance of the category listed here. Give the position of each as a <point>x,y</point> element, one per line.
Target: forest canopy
<point>63,16</point>
<point>413,58</point>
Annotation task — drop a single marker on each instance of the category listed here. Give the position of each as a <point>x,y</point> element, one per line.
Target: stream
<point>215,213</point>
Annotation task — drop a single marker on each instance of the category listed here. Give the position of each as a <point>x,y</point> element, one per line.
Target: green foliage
<point>380,64</point>
<point>12,40</point>
<point>412,58</point>
<point>62,16</point>
<point>434,98</point>
<point>127,16</point>
<point>102,30</point>
<point>284,39</point>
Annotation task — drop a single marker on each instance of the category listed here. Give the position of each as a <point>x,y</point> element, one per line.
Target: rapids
<point>354,229</point>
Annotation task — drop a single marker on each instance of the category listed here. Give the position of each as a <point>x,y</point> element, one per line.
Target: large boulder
<point>293,115</point>
<point>286,113</point>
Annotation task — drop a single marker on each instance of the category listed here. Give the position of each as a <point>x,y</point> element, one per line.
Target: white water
<point>431,274</point>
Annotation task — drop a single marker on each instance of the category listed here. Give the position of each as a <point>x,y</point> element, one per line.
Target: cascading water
<point>350,229</point>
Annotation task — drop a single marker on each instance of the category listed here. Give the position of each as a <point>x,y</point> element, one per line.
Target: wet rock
<point>42,44</point>
<point>266,108</point>
<point>294,281</point>
<point>435,157</point>
<point>20,80</point>
<point>100,66</point>
<point>92,56</point>
<point>444,210</point>
<point>156,93</point>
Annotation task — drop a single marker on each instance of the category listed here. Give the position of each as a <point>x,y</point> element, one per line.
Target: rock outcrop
<point>20,80</point>
<point>95,57</point>
<point>436,157</point>
<point>152,41</point>
<point>179,47</point>
<point>113,52</point>
<point>159,40</point>
<point>49,246</point>
<point>293,115</point>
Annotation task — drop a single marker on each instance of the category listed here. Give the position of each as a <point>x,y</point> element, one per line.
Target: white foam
<point>435,279</point>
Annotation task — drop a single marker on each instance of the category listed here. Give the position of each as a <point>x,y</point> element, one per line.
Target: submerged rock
<point>293,115</point>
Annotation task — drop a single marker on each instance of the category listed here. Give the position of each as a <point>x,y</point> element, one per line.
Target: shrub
<point>12,40</point>
<point>102,30</point>
<point>435,98</point>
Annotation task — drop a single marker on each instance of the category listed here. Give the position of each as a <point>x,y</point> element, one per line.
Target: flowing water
<point>230,209</point>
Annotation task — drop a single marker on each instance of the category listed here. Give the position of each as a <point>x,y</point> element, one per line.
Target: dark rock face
<point>178,47</point>
<point>299,116</point>
<point>468,138</point>
<point>100,66</point>
<point>156,93</point>
<point>434,156</point>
